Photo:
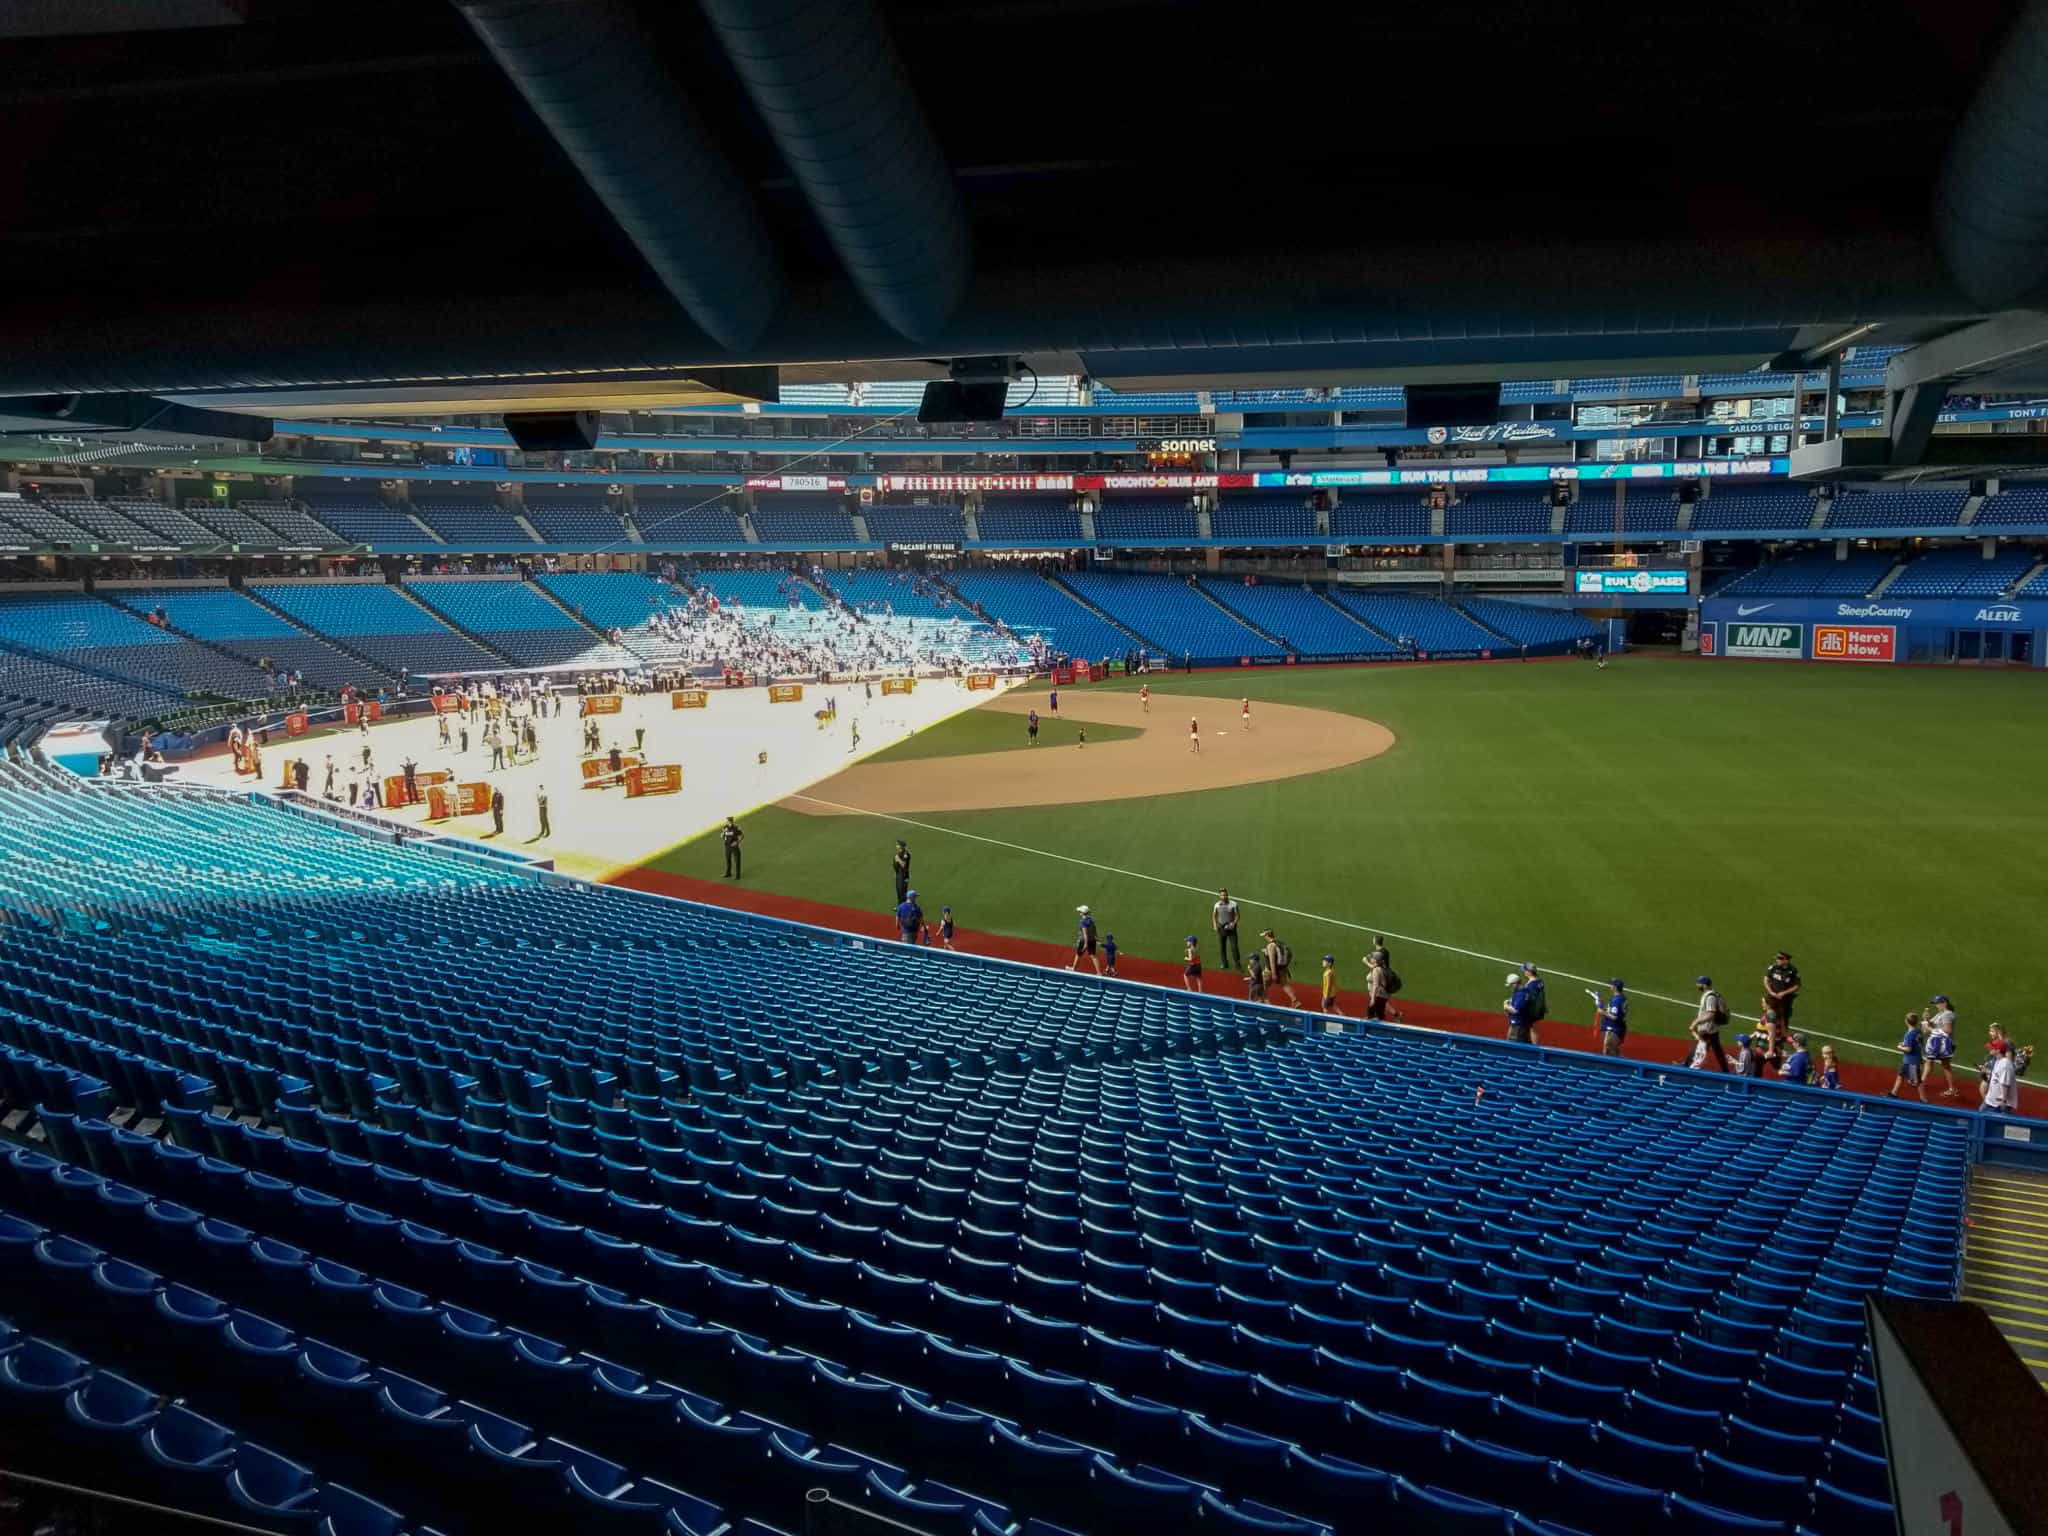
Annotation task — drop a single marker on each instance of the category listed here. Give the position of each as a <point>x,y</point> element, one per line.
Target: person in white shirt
<point>1706,1027</point>
<point>2001,1084</point>
<point>1940,1047</point>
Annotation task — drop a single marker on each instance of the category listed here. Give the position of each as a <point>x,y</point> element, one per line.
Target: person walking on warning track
<point>540,801</point>
<point>1379,982</point>
<point>899,866</point>
<point>1031,729</point>
<point>1280,966</point>
<point>1613,1018</point>
<point>1194,735</point>
<point>1330,986</point>
<point>1084,940</point>
<point>1706,1027</point>
<point>946,929</point>
<point>731,836</point>
<point>1527,1005</point>
<point>909,917</point>
<point>1191,964</point>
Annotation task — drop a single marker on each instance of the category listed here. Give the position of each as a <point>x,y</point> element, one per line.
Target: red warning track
<point>1463,1021</point>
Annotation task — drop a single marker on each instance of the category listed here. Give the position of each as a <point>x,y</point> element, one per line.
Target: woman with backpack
<point>1706,1027</point>
<point>1279,967</point>
<point>1379,984</point>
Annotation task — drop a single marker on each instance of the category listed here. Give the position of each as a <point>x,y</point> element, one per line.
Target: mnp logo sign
<point>1786,641</point>
<point>1855,642</point>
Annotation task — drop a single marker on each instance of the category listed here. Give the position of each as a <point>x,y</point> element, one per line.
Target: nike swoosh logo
<point>1744,610</point>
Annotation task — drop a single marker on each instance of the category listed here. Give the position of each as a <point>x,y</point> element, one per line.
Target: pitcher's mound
<point>1285,742</point>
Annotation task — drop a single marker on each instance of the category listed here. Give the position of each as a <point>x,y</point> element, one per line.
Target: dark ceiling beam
<point>1991,203</point>
<point>841,108</point>
<point>1649,298</point>
<point>593,77</point>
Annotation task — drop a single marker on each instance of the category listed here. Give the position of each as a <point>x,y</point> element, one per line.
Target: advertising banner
<point>602,704</point>
<point>1063,674</point>
<point>1710,639</point>
<point>1097,671</point>
<point>976,482</point>
<point>394,790</point>
<point>796,483</point>
<point>447,703</point>
<point>597,771</point>
<point>472,799</point>
<point>1598,583</point>
<point>976,681</point>
<point>296,724</point>
<point>654,779</point>
<point>288,774</point>
<point>440,803</point>
<point>351,712</point>
<point>785,693</point>
<point>1786,642</point>
<point>689,698</point>
<point>897,685</point>
<point>1855,642</point>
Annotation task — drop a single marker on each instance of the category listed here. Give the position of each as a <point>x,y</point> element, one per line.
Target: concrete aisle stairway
<point>2005,1262</point>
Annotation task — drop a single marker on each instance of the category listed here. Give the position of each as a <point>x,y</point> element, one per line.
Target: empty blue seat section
<point>1813,573</point>
<point>810,521</point>
<point>236,622</point>
<point>104,522</point>
<point>1382,515</point>
<point>586,519</point>
<point>703,518</point>
<point>1144,520</point>
<point>1939,508</point>
<point>380,622</point>
<point>1173,615</point>
<point>1962,573</point>
<point>916,522</point>
<point>360,515</point>
<point>1288,519</point>
<point>1154,401</point>
<point>1298,617</point>
<point>92,633</point>
<point>513,617</point>
<point>469,520</point>
<point>1031,605</point>
<point>1642,510</point>
<point>238,522</point>
<point>676,1229</point>
<point>1422,623</point>
<point>1528,623</point>
<point>1776,508</point>
<point>1047,520</point>
<point>1500,513</point>
<point>2023,506</point>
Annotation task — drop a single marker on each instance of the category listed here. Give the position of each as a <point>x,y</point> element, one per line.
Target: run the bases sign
<point>1855,642</point>
<point>785,693</point>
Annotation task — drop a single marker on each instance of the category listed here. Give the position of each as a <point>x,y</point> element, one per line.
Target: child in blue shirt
<point>1911,1045</point>
<point>1830,1069</point>
<point>1109,954</point>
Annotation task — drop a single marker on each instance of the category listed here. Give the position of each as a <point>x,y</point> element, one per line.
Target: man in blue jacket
<point>1527,1007</point>
<point>909,917</point>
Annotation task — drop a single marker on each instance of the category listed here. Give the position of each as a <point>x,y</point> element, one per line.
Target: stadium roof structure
<point>309,204</point>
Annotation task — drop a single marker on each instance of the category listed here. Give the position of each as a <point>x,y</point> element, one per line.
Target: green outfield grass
<point>1654,820</point>
<point>988,730</point>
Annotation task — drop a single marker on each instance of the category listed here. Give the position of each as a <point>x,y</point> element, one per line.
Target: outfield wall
<point>1876,630</point>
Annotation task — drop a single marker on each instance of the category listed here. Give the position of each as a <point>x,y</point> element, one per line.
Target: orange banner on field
<point>978,680</point>
<point>689,698</point>
<point>602,704</point>
<point>291,774</point>
<point>897,685</point>
<point>785,693</point>
<point>654,779</point>
<point>440,804</point>
<point>296,724</point>
<point>351,712</point>
<point>394,789</point>
<point>447,702</point>
<point>600,768</point>
<point>472,799</point>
